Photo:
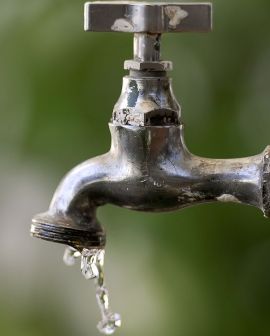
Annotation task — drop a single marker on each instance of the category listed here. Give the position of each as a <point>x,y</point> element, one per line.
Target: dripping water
<point>92,267</point>
<point>70,256</point>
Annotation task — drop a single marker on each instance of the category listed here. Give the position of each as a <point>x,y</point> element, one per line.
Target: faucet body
<point>148,167</point>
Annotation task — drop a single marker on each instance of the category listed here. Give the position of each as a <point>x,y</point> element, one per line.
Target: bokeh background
<point>201,271</point>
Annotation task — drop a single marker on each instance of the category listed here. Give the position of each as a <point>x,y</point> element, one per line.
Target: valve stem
<point>146,47</point>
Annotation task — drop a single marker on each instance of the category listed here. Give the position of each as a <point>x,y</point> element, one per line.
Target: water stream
<point>92,267</point>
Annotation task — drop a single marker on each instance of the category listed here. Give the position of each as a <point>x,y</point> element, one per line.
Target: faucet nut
<point>150,66</point>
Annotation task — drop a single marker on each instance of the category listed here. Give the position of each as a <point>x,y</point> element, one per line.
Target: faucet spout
<point>71,218</point>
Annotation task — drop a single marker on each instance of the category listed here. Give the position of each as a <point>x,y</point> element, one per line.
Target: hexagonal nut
<point>152,66</point>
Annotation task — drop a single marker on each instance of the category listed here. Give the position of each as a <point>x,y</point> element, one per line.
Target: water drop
<point>109,324</point>
<point>91,261</point>
<point>70,256</point>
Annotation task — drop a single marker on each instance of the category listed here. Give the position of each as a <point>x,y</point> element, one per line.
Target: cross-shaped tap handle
<point>147,17</point>
<point>147,20</point>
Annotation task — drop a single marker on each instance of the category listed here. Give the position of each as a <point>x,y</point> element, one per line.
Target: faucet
<point>148,167</point>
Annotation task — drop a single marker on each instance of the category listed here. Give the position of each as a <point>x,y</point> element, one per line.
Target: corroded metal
<point>148,167</point>
<point>146,100</point>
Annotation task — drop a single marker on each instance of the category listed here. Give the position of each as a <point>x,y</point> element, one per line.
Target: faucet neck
<point>147,99</point>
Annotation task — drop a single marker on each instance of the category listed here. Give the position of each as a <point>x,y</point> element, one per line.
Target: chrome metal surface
<point>148,167</point>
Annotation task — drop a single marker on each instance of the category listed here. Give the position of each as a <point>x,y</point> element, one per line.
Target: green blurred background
<point>203,271</point>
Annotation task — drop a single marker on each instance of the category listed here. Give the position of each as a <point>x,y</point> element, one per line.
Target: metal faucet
<point>148,167</point>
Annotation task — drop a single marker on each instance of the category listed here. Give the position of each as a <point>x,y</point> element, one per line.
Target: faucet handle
<point>147,17</point>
